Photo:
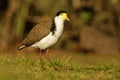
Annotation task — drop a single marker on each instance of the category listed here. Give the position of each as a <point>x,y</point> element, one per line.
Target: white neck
<point>59,23</point>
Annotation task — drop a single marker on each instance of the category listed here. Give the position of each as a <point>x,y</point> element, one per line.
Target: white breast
<point>51,39</point>
<point>46,42</point>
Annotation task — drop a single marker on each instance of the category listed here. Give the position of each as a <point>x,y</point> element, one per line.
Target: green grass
<point>27,67</point>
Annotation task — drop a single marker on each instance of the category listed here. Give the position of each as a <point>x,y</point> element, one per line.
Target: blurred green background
<point>94,25</point>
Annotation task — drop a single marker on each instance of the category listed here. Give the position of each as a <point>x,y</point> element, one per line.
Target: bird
<point>46,34</point>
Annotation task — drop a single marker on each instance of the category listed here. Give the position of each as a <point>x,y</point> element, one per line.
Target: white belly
<point>50,40</point>
<point>46,42</point>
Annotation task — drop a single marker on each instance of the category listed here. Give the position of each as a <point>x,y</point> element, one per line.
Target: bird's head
<point>63,15</point>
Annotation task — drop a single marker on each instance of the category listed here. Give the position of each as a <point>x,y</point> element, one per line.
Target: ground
<point>71,65</point>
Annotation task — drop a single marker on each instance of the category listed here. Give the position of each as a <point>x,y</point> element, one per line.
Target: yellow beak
<point>65,17</point>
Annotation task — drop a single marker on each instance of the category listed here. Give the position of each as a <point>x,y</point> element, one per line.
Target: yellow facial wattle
<point>65,17</point>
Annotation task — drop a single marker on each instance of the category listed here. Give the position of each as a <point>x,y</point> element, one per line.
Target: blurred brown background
<point>94,25</point>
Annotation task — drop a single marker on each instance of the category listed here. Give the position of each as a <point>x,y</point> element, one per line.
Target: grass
<point>75,67</point>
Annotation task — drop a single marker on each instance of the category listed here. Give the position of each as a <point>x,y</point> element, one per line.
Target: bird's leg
<point>47,56</point>
<point>41,60</point>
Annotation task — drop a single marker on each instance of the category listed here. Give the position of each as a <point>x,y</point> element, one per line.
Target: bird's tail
<point>21,47</point>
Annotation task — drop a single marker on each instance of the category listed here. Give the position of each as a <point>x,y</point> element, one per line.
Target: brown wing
<point>37,33</point>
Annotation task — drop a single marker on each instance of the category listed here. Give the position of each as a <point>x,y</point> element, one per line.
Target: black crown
<point>59,12</point>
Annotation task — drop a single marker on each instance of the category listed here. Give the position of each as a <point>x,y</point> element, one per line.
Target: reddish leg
<point>40,54</point>
<point>41,61</point>
<point>47,56</point>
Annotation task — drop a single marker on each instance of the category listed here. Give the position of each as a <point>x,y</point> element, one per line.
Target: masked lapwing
<point>46,34</point>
